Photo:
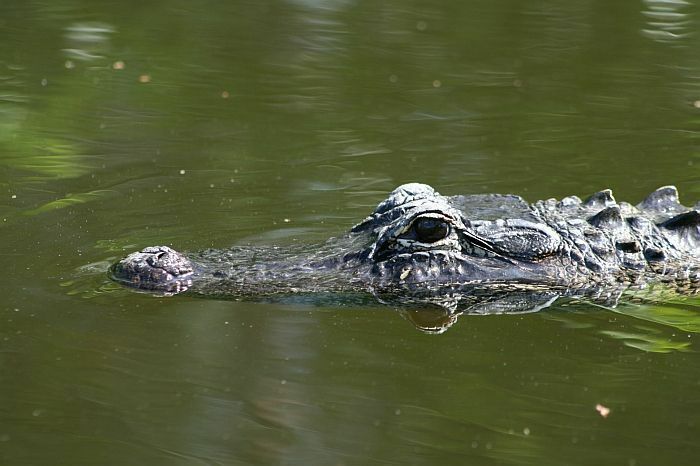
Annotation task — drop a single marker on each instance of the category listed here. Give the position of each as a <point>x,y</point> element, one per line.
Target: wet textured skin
<point>420,246</point>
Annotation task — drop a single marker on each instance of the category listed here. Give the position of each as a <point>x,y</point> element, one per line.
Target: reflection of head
<point>435,314</point>
<point>430,319</point>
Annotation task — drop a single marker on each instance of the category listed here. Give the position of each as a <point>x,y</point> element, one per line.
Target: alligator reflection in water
<point>436,314</point>
<point>478,254</point>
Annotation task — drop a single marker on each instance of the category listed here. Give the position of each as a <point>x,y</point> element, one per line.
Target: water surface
<point>129,124</point>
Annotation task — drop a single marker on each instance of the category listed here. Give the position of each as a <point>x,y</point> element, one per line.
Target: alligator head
<point>422,240</point>
<point>481,253</point>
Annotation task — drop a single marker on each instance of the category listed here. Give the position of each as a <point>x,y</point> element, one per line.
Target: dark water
<point>127,124</point>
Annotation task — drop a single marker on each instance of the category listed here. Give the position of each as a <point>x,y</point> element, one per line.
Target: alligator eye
<point>430,230</point>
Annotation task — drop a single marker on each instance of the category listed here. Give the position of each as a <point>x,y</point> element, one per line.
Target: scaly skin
<point>419,244</point>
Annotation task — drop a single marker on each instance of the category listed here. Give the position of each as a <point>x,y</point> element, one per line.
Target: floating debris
<point>602,410</point>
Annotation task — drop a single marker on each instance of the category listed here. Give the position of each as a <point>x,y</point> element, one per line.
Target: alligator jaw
<point>157,268</point>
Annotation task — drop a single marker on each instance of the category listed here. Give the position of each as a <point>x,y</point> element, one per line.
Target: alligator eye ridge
<point>430,230</point>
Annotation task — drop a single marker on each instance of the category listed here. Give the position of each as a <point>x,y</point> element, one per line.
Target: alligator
<point>480,253</point>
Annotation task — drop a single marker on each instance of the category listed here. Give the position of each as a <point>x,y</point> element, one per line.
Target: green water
<point>128,124</point>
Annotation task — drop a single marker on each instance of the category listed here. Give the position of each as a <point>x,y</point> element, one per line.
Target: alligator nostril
<point>654,254</point>
<point>628,246</point>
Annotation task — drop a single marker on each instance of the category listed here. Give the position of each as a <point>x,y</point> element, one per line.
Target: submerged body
<point>418,244</point>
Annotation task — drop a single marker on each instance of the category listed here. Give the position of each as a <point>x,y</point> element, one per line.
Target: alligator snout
<point>157,268</point>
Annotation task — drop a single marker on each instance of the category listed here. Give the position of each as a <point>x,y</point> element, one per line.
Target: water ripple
<point>666,22</point>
